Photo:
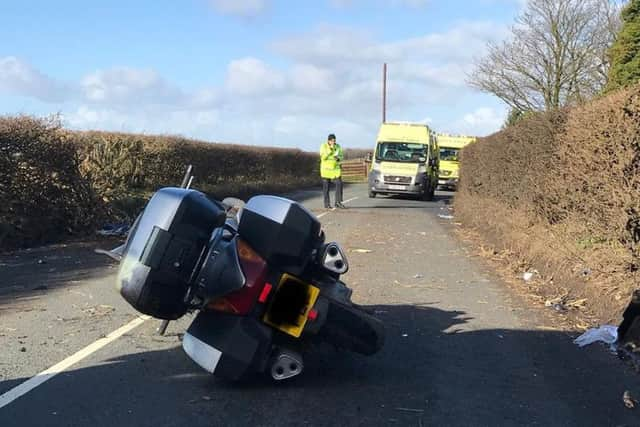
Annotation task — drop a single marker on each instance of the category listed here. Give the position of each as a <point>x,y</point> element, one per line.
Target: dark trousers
<point>326,183</point>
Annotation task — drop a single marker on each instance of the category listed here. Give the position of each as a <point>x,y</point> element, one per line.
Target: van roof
<point>454,141</point>
<point>405,132</point>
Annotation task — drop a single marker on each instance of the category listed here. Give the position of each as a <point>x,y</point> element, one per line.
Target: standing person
<point>331,170</point>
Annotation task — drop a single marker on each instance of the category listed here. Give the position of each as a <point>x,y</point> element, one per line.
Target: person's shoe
<point>328,207</point>
<point>340,205</point>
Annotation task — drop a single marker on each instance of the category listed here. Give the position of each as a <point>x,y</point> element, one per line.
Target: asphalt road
<point>462,349</point>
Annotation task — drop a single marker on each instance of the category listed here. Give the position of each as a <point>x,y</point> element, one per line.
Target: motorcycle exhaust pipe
<point>286,364</point>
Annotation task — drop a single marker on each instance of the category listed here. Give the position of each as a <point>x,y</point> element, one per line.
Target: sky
<point>258,72</point>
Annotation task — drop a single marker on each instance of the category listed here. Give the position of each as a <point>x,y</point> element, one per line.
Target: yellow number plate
<point>290,305</point>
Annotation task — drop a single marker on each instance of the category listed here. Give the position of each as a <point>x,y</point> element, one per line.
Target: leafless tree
<point>556,55</point>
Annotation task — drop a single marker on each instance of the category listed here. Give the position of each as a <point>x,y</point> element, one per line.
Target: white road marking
<point>327,212</point>
<point>46,375</point>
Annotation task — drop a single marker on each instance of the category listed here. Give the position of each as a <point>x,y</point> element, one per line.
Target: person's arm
<point>338,153</point>
<point>325,152</point>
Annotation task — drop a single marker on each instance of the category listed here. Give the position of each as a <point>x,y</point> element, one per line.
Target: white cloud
<point>145,120</point>
<point>251,76</point>
<point>308,78</point>
<point>21,78</point>
<point>242,8</point>
<point>482,121</point>
<point>124,85</point>
<point>327,80</point>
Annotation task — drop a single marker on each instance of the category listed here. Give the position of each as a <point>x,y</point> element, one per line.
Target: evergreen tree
<point>625,51</point>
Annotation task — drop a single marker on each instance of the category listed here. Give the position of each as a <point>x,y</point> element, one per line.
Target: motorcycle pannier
<point>163,250</point>
<point>282,231</point>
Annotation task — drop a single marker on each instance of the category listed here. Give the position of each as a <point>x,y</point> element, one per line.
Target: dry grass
<point>561,193</point>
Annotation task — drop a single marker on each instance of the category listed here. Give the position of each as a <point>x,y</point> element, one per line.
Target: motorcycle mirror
<point>333,259</point>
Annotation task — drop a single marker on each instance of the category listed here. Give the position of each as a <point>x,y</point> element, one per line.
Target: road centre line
<point>47,374</point>
<point>346,201</point>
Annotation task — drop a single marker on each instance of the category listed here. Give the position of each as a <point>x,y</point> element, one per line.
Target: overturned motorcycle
<point>263,281</point>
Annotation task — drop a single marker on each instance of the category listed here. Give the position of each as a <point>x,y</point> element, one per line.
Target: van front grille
<point>392,179</point>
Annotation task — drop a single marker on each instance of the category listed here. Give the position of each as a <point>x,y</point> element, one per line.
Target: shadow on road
<point>30,272</point>
<point>433,370</point>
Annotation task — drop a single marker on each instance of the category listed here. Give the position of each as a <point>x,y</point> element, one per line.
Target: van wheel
<point>372,194</point>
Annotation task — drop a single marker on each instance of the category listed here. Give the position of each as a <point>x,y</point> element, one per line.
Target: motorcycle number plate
<point>289,307</point>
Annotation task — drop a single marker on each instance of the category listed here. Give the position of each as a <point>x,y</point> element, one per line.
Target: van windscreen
<point>401,152</point>
<point>449,154</point>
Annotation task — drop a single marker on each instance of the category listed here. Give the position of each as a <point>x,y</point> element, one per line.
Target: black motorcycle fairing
<point>245,342</point>
<point>282,231</point>
<point>221,272</point>
<point>164,249</point>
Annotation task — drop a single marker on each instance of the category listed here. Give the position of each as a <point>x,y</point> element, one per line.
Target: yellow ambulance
<point>450,146</point>
<point>405,161</point>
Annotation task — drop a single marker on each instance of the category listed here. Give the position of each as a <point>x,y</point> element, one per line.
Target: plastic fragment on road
<point>527,276</point>
<point>445,216</point>
<point>418,276</point>
<point>628,400</point>
<point>362,251</point>
<point>606,333</point>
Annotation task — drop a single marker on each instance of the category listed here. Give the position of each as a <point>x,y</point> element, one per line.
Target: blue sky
<point>260,72</point>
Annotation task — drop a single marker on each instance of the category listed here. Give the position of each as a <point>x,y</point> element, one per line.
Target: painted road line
<point>46,375</point>
<point>324,213</point>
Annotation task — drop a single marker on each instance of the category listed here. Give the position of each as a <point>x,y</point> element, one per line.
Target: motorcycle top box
<point>282,231</point>
<point>163,250</point>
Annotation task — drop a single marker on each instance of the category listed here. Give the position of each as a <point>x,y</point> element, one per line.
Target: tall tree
<point>556,55</point>
<point>625,52</point>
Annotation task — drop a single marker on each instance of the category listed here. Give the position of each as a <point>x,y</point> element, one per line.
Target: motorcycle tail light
<point>243,300</point>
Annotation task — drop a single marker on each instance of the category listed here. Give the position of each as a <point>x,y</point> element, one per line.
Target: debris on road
<point>41,261</point>
<point>99,310</point>
<point>405,335</point>
<point>362,251</point>
<point>410,410</point>
<point>418,276</point>
<point>606,333</point>
<point>629,400</point>
<point>445,216</point>
<point>528,275</point>
<point>120,229</point>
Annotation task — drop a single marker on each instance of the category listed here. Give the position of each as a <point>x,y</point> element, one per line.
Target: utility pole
<point>384,93</point>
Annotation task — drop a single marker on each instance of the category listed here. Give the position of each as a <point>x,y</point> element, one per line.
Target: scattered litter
<point>527,276</point>
<point>418,276</point>
<point>119,229</point>
<point>410,410</point>
<point>362,251</point>
<point>41,261</point>
<point>606,333</point>
<point>628,400</point>
<point>99,310</point>
<point>405,335</point>
<point>445,216</point>
<point>579,303</point>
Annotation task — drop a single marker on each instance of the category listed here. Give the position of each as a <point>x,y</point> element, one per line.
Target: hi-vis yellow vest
<point>329,166</point>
